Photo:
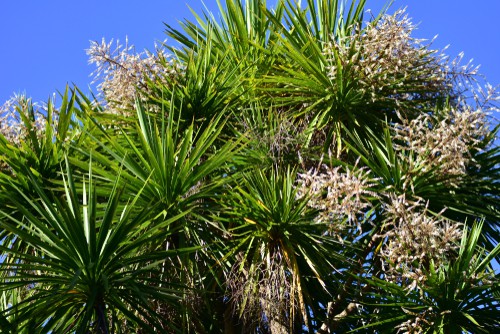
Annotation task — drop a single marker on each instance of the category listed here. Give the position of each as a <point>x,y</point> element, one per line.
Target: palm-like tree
<point>295,169</point>
<point>276,249</point>
<point>460,297</point>
<point>87,267</point>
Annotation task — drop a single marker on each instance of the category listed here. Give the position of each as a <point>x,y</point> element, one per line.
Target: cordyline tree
<point>296,169</point>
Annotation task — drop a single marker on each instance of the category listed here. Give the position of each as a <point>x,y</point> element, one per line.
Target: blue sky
<point>43,42</point>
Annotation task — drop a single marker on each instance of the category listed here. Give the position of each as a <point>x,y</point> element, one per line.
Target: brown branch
<point>334,314</point>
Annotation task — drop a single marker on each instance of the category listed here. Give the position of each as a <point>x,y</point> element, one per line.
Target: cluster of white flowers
<point>340,196</point>
<point>9,121</point>
<point>12,126</point>
<point>441,143</point>
<point>417,323</point>
<point>121,71</point>
<point>384,57</point>
<point>15,129</point>
<point>415,237</point>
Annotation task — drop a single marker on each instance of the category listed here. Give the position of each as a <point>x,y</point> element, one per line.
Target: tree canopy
<point>301,168</point>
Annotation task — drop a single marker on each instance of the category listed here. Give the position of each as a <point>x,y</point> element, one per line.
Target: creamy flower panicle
<point>121,71</point>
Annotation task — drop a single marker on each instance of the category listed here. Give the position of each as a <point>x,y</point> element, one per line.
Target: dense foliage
<point>296,169</point>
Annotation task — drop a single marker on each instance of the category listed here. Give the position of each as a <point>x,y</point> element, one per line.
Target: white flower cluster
<point>384,57</point>
<point>417,323</point>
<point>9,121</point>
<point>12,126</point>
<point>442,143</point>
<point>120,71</point>
<point>339,196</point>
<point>15,129</point>
<point>415,237</point>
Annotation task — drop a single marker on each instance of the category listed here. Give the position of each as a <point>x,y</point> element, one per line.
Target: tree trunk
<point>277,327</point>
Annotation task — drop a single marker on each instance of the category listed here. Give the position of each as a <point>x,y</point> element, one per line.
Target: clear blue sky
<point>43,42</point>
